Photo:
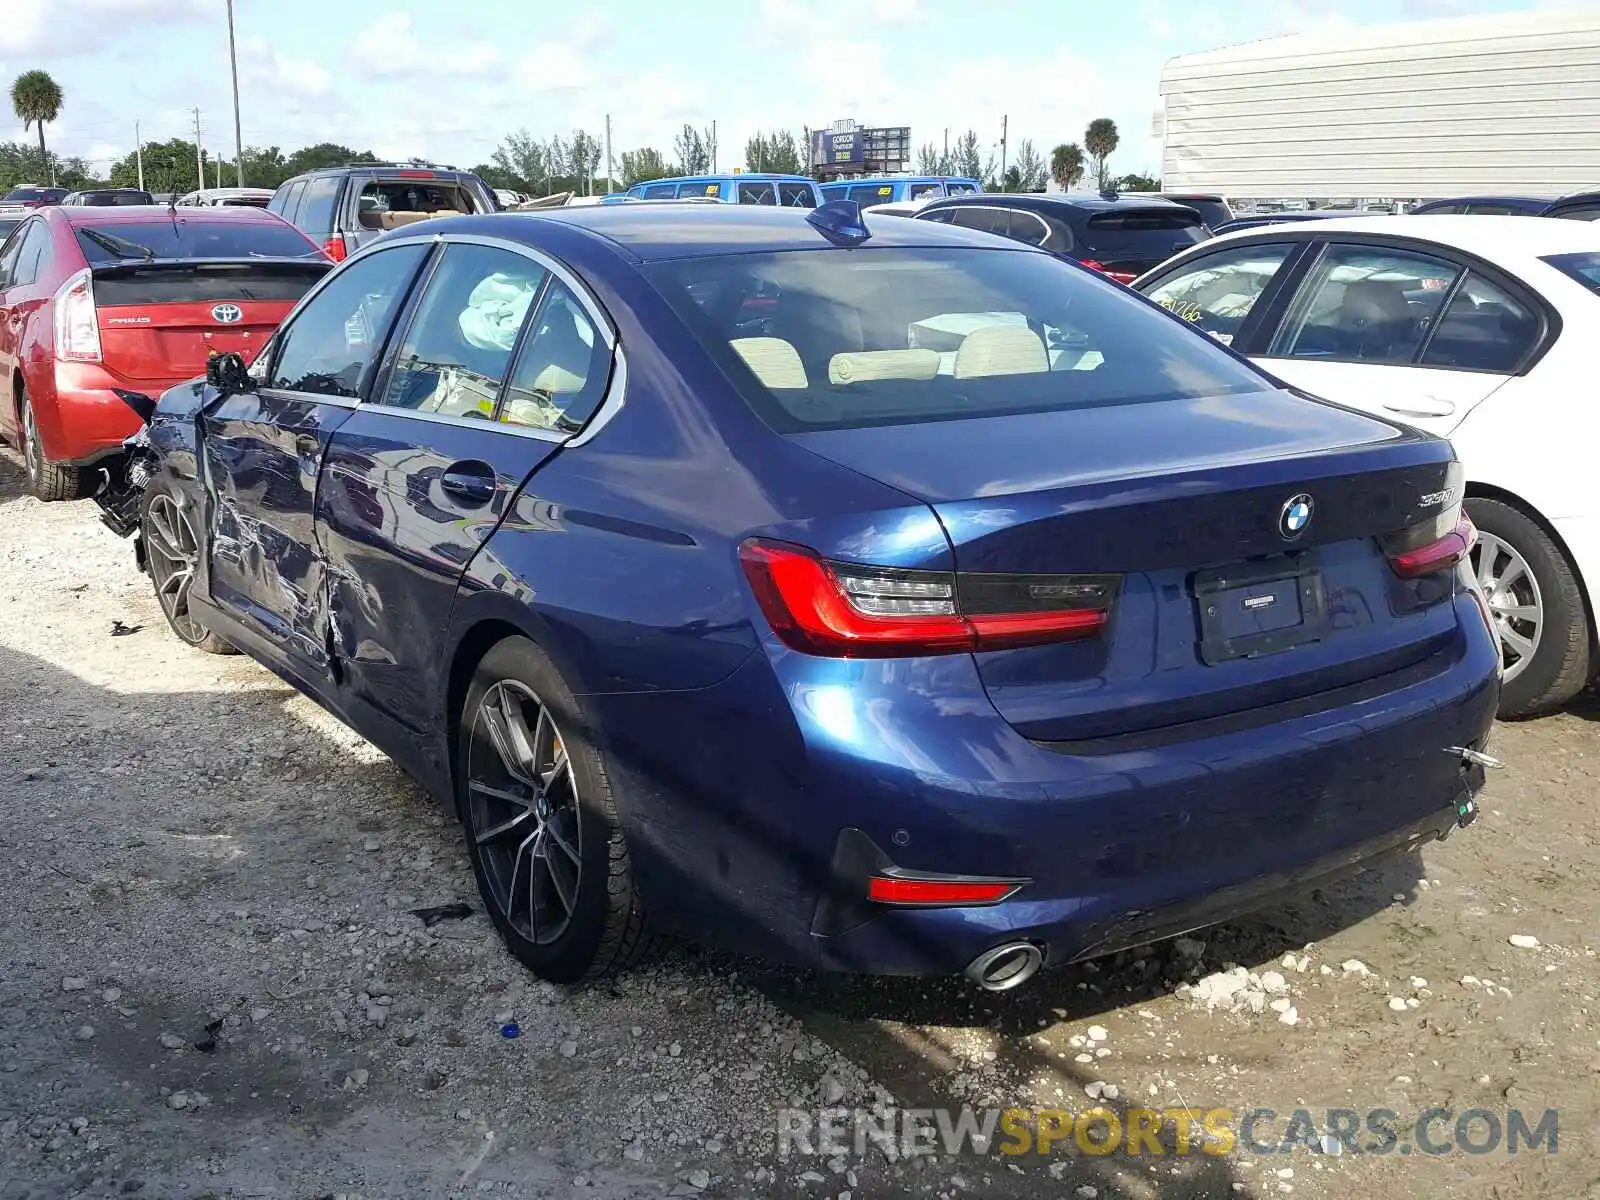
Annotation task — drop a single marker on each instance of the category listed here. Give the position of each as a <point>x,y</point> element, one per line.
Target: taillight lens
<point>910,890</point>
<point>77,321</point>
<point>1119,276</point>
<point>846,610</point>
<point>1437,555</point>
<point>334,249</point>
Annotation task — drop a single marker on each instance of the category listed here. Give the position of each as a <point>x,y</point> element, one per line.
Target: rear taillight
<point>1119,276</point>
<point>334,248</point>
<point>77,321</point>
<point>1437,555</point>
<point>846,610</point>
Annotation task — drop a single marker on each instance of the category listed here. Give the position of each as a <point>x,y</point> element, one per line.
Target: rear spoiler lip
<point>131,265</point>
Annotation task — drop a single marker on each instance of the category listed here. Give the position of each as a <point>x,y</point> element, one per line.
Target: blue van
<point>897,188</point>
<point>780,191</point>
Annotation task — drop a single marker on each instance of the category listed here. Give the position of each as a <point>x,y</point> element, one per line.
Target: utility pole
<point>238,134</point>
<point>199,158</point>
<point>1003,123</point>
<point>713,147</point>
<point>608,154</point>
<point>944,163</point>
<point>138,153</point>
<point>219,170</point>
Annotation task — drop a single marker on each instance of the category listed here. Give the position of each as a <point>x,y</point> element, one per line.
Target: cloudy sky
<point>448,81</point>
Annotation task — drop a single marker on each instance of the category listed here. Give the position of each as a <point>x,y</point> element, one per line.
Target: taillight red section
<point>1119,276</point>
<point>892,889</point>
<point>847,610</point>
<point>1439,555</point>
<point>334,248</point>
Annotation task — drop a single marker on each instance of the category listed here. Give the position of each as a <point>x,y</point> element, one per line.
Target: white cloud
<point>896,12</point>
<point>263,66</point>
<point>553,66</point>
<point>390,47</point>
<point>65,27</point>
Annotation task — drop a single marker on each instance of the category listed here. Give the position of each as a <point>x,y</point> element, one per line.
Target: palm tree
<point>1101,139</point>
<point>1066,165</point>
<point>36,98</point>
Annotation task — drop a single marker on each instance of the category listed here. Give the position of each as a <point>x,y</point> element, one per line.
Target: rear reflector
<point>334,248</point>
<point>847,610</point>
<point>936,892</point>
<point>1439,555</point>
<point>1119,276</point>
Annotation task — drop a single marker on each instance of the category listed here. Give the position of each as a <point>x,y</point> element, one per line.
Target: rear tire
<point>49,480</point>
<point>1538,607</point>
<point>172,552</point>
<point>542,829</point>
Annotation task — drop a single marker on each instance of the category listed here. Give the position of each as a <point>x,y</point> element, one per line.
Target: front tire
<point>541,821</point>
<point>1538,609</point>
<point>172,553</point>
<point>50,480</point>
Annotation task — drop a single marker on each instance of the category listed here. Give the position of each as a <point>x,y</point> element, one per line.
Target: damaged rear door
<point>263,450</point>
<point>499,362</point>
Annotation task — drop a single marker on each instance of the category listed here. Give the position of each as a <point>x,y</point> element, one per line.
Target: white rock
<point>1417,981</point>
<point>1273,983</point>
<point>111,995</point>
<point>1286,1173</point>
<point>1083,1058</point>
<point>74,983</point>
<point>1524,941</point>
<point>1086,1192</point>
<point>1470,981</point>
<point>700,1179</point>
<point>1290,1016</point>
<point>178,1101</point>
<point>1397,1004</point>
<point>1354,966</point>
<point>1110,1091</point>
<point>1412,1002</point>
<point>1325,969</point>
<point>1102,1051</point>
<point>1077,1041</point>
<point>1059,1168</point>
<point>1094,1090</point>
<point>171,1041</point>
<point>1098,1033</point>
<point>1282,1004</point>
<point>1256,1000</point>
<point>84,1033</point>
<point>674,1050</point>
<point>569,1049</point>
<point>1221,987</point>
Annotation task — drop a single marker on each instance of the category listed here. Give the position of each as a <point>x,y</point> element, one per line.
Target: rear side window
<point>291,202</point>
<point>925,191</point>
<point>562,372</point>
<point>191,237</point>
<point>1584,268</point>
<point>1143,233</point>
<point>329,346</point>
<point>661,191</point>
<point>1579,212</point>
<point>871,193</point>
<point>878,337</point>
<point>1484,328</point>
<point>1365,305</point>
<point>1217,292</point>
<point>961,189</point>
<point>700,189</point>
<point>797,195</point>
<point>757,193</point>
<point>316,207</point>
<point>33,256</point>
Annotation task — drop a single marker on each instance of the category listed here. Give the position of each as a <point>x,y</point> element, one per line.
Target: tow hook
<point>1475,758</point>
<point>1473,765</point>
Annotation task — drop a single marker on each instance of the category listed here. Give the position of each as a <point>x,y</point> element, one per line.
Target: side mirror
<point>228,375</point>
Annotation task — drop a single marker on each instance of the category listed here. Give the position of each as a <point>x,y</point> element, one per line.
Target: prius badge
<point>227,314</point>
<point>1295,516</point>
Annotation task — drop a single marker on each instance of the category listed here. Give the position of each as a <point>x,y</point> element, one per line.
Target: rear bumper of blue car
<point>1121,842</point>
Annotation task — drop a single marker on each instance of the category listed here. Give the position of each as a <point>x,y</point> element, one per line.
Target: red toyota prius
<point>93,299</point>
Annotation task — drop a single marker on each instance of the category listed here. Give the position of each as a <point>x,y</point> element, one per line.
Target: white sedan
<point>1485,330</point>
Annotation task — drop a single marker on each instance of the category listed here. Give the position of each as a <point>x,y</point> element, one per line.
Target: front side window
<point>563,369</point>
<point>1485,328</point>
<point>884,336</point>
<point>458,348</point>
<point>1217,292</point>
<point>33,255</point>
<point>330,345</point>
<point>1365,305</point>
<point>757,193</point>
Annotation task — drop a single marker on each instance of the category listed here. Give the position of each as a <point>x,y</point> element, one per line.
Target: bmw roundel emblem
<point>227,314</point>
<point>1295,516</point>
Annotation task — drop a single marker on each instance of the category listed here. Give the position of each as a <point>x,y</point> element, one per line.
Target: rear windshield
<point>416,199</point>
<point>1143,233</point>
<point>1585,268</point>
<point>208,282</point>
<point>835,338</point>
<point>1212,212</point>
<point>188,237</point>
<point>23,195</point>
<point>104,199</point>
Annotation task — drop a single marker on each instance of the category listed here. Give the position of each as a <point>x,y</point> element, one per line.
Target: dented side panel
<point>262,453</point>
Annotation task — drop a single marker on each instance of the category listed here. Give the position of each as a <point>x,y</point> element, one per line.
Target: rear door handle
<point>469,483</point>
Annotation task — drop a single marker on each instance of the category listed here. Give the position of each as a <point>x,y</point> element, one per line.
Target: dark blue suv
<point>883,597</point>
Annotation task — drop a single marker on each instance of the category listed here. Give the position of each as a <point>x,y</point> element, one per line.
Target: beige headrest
<point>556,380</point>
<point>393,220</point>
<point>1001,350</point>
<point>865,366</point>
<point>776,363</point>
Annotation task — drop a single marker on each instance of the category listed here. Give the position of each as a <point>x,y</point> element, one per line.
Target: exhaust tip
<point>1005,967</point>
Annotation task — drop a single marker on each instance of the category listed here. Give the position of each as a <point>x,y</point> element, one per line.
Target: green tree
<point>1030,167</point>
<point>497,178</point>
<point>966,159</point>
<point>1066,165</point>
<point>778,153</point>
<point>521,158</point>
<point>36,98</point>
<point>1137,183</point>
<point>646,163</point>
<point>1011,180</point>
<point>168,167</point>
<point>265,168</point>
<point>1100,140</point>
<point>22,163</point>
<point>324,154</point>
<point>584,153</point>
<point>694,150</point>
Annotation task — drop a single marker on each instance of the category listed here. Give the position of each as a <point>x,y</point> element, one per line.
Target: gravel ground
<point>212,982</point>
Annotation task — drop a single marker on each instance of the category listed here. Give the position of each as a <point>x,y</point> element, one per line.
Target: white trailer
<point>1504,104</point>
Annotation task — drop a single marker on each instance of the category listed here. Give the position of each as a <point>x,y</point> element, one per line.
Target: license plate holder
<point>1251,609</point>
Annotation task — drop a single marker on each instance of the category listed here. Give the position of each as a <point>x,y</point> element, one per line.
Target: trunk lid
<point>1186,500</point>
<point>160,321</point>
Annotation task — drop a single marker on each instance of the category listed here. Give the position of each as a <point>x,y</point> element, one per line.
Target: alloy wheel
<point>172,551</point>
<point>1513,594</point>
<point>32,452</point>
<point>523,812</point>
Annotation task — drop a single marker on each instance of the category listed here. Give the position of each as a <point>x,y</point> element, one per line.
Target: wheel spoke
<point>1488,551</point>
<point>566,889</point>
<point>175,582</point>
<point>553,832</point>
<point>557,769</point>
<point>1522,645</point>
<point>519,856</point>
<point>161,526</point>
<point>511,825</point>
<point>494,713</point>
<point>536,904</point>
<point>1521,612</point>
<point>1515,569</point>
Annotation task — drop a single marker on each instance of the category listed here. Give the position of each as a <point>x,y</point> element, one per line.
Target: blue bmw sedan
<point>880,597</point>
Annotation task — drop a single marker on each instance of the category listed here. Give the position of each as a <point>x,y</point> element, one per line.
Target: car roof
<point>1078,201</point>
<point>718,178</point>
<point>853,182</point>
<point>125,213</point>
<point>660,232</point>
<point>1502,199</point>
<point>1497,239</point>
